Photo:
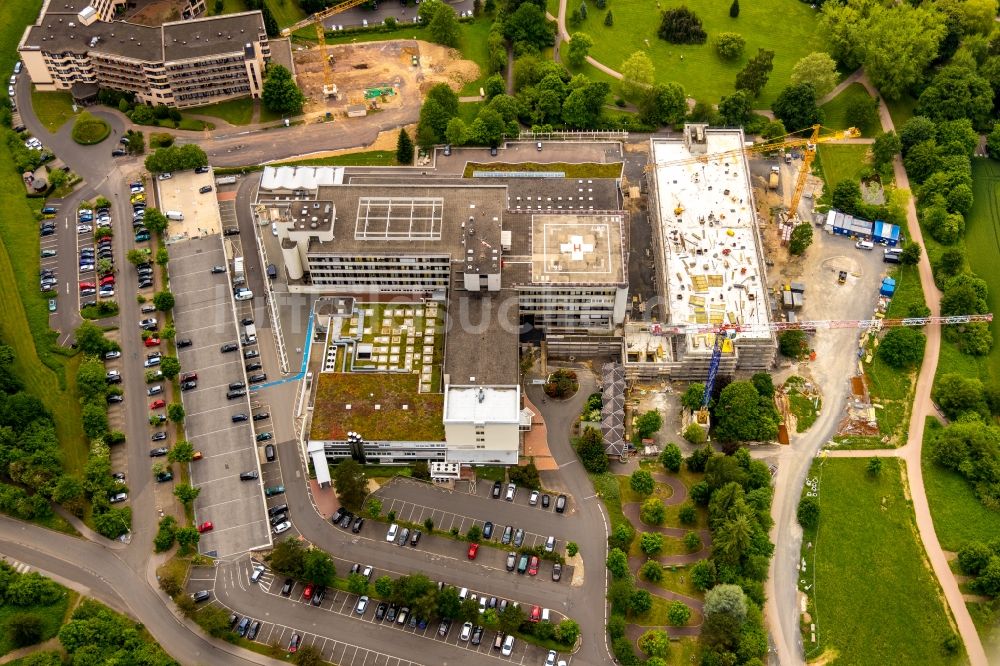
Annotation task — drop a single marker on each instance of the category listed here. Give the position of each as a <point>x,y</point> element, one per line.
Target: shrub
<point>688,514</point>
<point>695,434</point>
<point>652,571</point>
<point>808,512</point>
<point>653,511</point>
<point>902,347</point>
<point>671,457</point>
<point>562,384</point>
<point>88,130</point>
<point>678,614</point>
<point>642,482</point>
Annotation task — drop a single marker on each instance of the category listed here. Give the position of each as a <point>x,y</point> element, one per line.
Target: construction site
<point>377,75</point>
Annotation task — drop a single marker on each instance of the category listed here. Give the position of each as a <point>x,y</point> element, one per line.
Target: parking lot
<point>222,580</point>
<point>204,314</point>
<point>181,193</point>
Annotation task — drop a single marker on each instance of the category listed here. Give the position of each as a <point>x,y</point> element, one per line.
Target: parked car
<point>533,566</point>
<point>488,530</point>
<point>158,452</point>
<point>282,527</point>
<point>206,526</point>
<point>533,498</point>
<point>560,504</point>
<point>511,560</point>
<point>254,630</point>
<point>201,595</point>
<point>271,491</point>
<point>293,643</point>
<point>390,536</point>
<point>362,605</point>
<point>473,550</point>
<point>556,572</point>
<point>518,537</point>
<point>358,524</point>
<point>286,589</point>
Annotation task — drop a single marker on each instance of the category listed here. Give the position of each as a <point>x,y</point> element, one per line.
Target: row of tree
<point>969,446</point>
<point>176,158</point>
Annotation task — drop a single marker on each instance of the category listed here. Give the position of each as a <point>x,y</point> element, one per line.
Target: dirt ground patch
<point>357,67</point>
<point>158,13</point>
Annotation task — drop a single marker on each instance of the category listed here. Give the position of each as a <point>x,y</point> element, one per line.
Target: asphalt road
<point>106,576</point>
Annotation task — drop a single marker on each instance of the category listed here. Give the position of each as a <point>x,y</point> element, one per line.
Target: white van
<point>463,593</point>
<point>175,215</point>
<point>243,295</point>
<point>865,245</point>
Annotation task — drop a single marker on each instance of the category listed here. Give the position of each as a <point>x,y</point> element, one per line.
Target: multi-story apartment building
<point>179,64</point>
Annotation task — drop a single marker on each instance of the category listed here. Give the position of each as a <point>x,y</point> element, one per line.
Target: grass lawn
<point>52,616</point>
<point>285,12</point>
<point>986,617</point>
<point>24,321</point>
<point>468,111</point>
<point>836,110</point>
<point>837,162</point>
<point>873,597</point>
<point>369,158</point>
<point>889,387</point>
<point>901,110</point>
<point>88,130</point>
<point>657,615</point>
<point>629,496</point>
<point>228,7</point>
<point>958,516</point>
<point>678,579</point>
<point>787,27</point>
<point>982,243</point>
<point>234,111</point>
<point>582,170</point>
<point>53,109</point>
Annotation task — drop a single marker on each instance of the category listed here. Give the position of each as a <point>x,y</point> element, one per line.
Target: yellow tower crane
<point>329,88</point>
<point>787,141</point>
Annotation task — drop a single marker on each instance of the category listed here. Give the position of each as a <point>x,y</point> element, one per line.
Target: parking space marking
<point>446,520</point>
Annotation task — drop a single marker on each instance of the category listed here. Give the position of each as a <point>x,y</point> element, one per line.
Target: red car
<point>308,592</point>
<point>536,614</point>
<point>533,566</point>
<point>206,526</point>
<point>189,377</point>
<point>158,404</point>
<point>107,280</point>
<point>152,342</point>
<point>87,285</point>
<point>473,549</point>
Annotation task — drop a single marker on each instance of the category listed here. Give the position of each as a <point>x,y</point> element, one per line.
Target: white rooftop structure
<point>300,178</point>
<point>320,464</point>
<point>482,404</point>
<point>714,268</point>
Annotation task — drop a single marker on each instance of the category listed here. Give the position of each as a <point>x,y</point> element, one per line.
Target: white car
<point>84,228</point>
<point>550,658</point>
<point>118,497</point>
<point>106,292</point>
<point>165,176</point>
<point>282,527</point>
<point>508,646</point>
<point>112,354</point>
<point>362,605</point>
<point>466,631</point>
<point>391,534</point>
<point>86,268</point>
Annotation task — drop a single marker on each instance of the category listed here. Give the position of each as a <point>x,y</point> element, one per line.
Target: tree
<point>734,9</point>
<point>578,48</point>
<point>318,567</point>
<point>495,85</point>
<point>175,412</point>
<point>671,457</point>
<point>562,383</point>
<point>664,104</point>
<point>801,239</point>
<point>590,448</point>
<point>474,535</point>
<point>730,45</point>
<point>91,341</point>
<point>681,26</point>
<point>817,69</point>
<point>993,142</point>
<point>678,614</point>
<point>640,602</point>
<point>528,29</point>
<point>687,514</point>
<point>692,397</point>
<point>351,483</point>
<point>609,20</point>
<point>885,148</point>
<point>958,92</point>
<point>655,643</point>
<point>617,563</point>
<point>753,77</point>
<point>956,394</point>
<point>155,221</point>
<point>793,344</point>
<point>739,417</point>
<point>136,142</point>
<point>808,512</point>
<point>901,44</point>
<point>642,482</point>
<point>186,493</point>
<point>182,451</point>
<point>652,571</point>
<point>725,610</point>
<point>280,94</point>
<point>187,539</point>
<point>583,9</point>
<point>910,256</point>
<point>902,347</point>
<point>170,367</point>
<point>429,524</point>
<point>648,423</point>
<point>25,629</point>
<point>796,106</point>
<point>443,27</point>
<point>90,379</point>
<point>510,618</point>
<point>637,75</point>
<point>703,575</point>
<point>383,586</point>
<point>692,542</point>
<point>862,112</point>
<point>567,631</point>
<point>874,467</point>
<point>95,419</point>
<point>165,535</point>
<point>736,109</point>
<point>404,148</point>
<point>526,475</point>
<point>651,543</point>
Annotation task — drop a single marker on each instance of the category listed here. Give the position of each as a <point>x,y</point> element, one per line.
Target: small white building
<point>482,424</point>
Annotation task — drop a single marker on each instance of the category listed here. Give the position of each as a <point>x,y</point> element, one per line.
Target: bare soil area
<point>357,67</point>
<point>157,12</point>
